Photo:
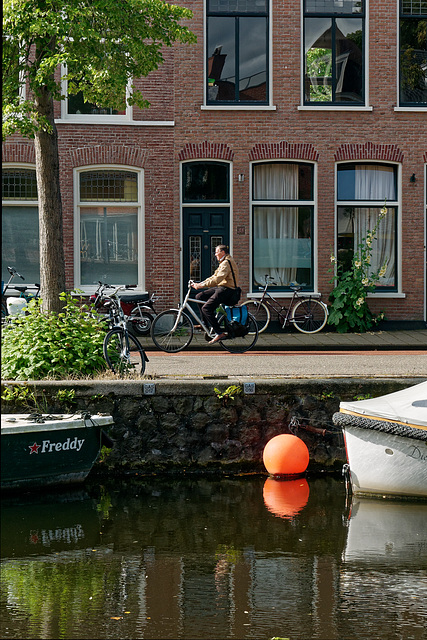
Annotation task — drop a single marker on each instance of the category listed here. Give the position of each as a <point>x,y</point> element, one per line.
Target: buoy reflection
<point>286,498</point>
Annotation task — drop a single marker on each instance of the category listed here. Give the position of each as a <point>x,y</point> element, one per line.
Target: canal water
<point>237,557</point>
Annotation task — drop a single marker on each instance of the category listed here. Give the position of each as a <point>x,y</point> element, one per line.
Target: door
<point>204,228</point>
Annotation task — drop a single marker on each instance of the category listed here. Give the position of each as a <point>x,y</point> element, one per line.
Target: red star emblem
<point>34,448</point>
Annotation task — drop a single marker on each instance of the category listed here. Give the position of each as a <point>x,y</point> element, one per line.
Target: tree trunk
<point>52,262</point>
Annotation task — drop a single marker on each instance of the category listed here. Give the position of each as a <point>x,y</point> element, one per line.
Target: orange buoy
<point>285,455</point>
<point>285,498</point>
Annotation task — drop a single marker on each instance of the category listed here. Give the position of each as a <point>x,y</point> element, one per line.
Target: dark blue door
<point>203,229</point>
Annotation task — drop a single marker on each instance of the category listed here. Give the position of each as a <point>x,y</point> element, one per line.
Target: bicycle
<point>173,330</point>
<point>307,314</point>
<point>122,351</point>
<point>13,306</point>
<point>138,308</point>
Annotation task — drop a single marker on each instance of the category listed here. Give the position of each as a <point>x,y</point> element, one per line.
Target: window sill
<point>237,107</point>
<point>332,107</point>
<point>409,109</point>
<point>88,290</point>
<point>386,294</point>
<point>93,120</point>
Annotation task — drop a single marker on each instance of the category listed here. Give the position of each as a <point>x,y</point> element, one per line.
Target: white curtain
<point>374,183</point>
<point>275,228</point>
<point>383,247</point>
<point>377,183</point>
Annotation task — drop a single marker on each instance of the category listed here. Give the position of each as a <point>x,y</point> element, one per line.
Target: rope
<point>345,419</point>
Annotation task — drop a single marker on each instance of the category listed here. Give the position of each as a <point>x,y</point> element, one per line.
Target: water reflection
<point>232,558</point>
<point>286,498</point>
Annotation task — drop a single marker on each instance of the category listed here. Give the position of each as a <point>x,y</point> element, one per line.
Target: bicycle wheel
<point>244,343</point>
<point>309,315</point>
<point>140,323</point>
<point>168,337</point>
<point>260,312</point>
<point>124,353</point>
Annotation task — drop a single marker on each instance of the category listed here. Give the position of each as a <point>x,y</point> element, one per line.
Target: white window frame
<point>88,289</point>
<point>241,107</point>
<point>349,107</point>
<point>312,203</point>
<point>396,203</point>
<point>88,118</point>
<point>20,203</point>
<point>413,109</point>
<point>425,242</point>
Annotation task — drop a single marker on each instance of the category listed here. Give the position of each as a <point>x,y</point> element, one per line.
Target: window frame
<point>405,106</point>
<point>285,292</point>
<point>380,292</point>
<point>245,105</point>
<point>338,106</point>
<point>87,118</point>
<point>139,204</point>
<point>20,203</point>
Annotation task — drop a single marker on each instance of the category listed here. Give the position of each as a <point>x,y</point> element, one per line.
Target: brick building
<point>281,133</point>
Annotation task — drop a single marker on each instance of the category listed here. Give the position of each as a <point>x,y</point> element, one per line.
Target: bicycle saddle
<point>141,297</point>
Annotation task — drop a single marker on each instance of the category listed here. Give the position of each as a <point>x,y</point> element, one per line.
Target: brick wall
<point>175,92</point>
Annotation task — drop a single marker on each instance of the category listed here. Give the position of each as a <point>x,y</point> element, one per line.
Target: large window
<point>20,224</point>
<point>334,52</point>
<point>361,192</point>
<point>109,208</point>
<point>237,51</point>
<point>413,53</point>
<point>282,196</point>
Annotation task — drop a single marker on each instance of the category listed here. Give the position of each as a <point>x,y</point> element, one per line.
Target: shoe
<point>218,337</point>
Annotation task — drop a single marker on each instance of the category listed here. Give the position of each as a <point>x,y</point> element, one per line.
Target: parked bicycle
<point>139,309</point>
<point>173,330</point>
<point>306,313</point>
<point>123,352</point>
<point>15,305</point>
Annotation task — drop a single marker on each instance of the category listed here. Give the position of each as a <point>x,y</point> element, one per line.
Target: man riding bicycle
<point>221,289</point>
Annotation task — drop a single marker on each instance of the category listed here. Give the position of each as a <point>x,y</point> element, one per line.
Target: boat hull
<point>385,464</point>
<point>54,452</point>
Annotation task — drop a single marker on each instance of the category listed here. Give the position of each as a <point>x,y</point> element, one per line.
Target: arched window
<point>20,223</point>
<point>282,224</point>
<point>109,227</point>
<point>361,192</point>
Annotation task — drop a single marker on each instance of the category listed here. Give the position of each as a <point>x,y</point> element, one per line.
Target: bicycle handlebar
<point>14,272</point>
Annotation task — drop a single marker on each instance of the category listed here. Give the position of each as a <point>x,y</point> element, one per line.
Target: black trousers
<point>213,297</point>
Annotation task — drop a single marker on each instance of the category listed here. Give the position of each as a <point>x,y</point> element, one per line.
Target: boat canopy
<point>408,406</point>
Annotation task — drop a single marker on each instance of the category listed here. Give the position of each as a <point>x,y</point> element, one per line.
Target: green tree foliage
<point>104,45</point>
<point>62,345</point>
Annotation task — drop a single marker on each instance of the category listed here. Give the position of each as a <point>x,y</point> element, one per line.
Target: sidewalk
<point>294,355</point>
<point>292,340</point>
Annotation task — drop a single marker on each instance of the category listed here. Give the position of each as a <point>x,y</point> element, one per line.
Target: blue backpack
<point>237,321</point>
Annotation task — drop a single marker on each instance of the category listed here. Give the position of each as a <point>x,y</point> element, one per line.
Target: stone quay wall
<point>187,426</point>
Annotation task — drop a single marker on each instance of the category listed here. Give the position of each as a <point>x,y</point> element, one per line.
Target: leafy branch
<point>348,309</point>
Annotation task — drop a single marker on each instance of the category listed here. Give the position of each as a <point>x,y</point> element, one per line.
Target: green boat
<point>40,450</point>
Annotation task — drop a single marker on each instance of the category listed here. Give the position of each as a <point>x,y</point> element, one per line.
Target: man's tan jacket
<point>223,276</point>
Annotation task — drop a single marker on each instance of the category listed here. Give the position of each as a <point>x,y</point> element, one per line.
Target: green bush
<point>348,309</point>
<point>41,346</point>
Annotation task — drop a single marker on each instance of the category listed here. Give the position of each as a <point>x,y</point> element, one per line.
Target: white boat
<point>386,442</point>
<point>39,450</point>
<point>387,533</point>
